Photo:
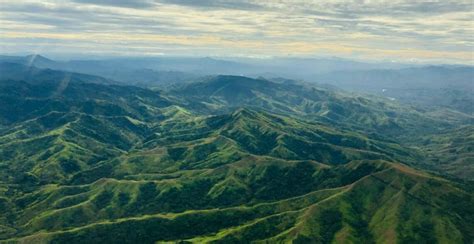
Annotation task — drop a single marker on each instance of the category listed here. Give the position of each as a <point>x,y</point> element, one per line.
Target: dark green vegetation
<point>227,159</point>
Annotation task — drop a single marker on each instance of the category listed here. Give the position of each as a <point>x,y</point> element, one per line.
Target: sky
<point>389,30</point>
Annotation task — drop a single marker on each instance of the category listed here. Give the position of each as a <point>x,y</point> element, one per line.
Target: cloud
<point>364,29</point>
<point>120,3</point>
<point>433,7</point>
<point>219,4</point>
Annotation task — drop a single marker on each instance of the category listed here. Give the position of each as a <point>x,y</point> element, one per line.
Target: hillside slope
<point>368,114</point>
<point>377,202</point>
<point>241,160</point>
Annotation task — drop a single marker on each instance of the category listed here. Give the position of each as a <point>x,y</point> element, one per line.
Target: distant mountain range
<point>206,65</point>
<point>227,159</point>
<point>441,86</point>
<point>448,86</point>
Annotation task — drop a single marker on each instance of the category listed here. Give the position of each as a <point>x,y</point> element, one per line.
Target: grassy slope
<point>413,127</point>
<point>393,204</point>
<point>104,163</point>
<point>451,151</point>
<point>368,114</point>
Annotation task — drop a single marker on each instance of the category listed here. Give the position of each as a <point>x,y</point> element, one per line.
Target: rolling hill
<point>357,112</point>
<point>227,159</point>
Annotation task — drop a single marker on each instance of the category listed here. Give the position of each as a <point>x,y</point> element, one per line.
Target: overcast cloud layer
<point>401,30</point>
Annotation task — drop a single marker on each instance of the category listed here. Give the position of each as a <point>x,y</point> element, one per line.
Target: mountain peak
<point>38,61</point>
<point>232,78</point>
<point>38,57</point>
<point>244,113</point>
<point>236,82</point>
<point>228,87</point>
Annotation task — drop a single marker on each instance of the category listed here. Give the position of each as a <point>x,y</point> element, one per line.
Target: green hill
<point>230,159</point>
<point>368,114</point>
<point>360,202</point>
<point>451,151</point>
